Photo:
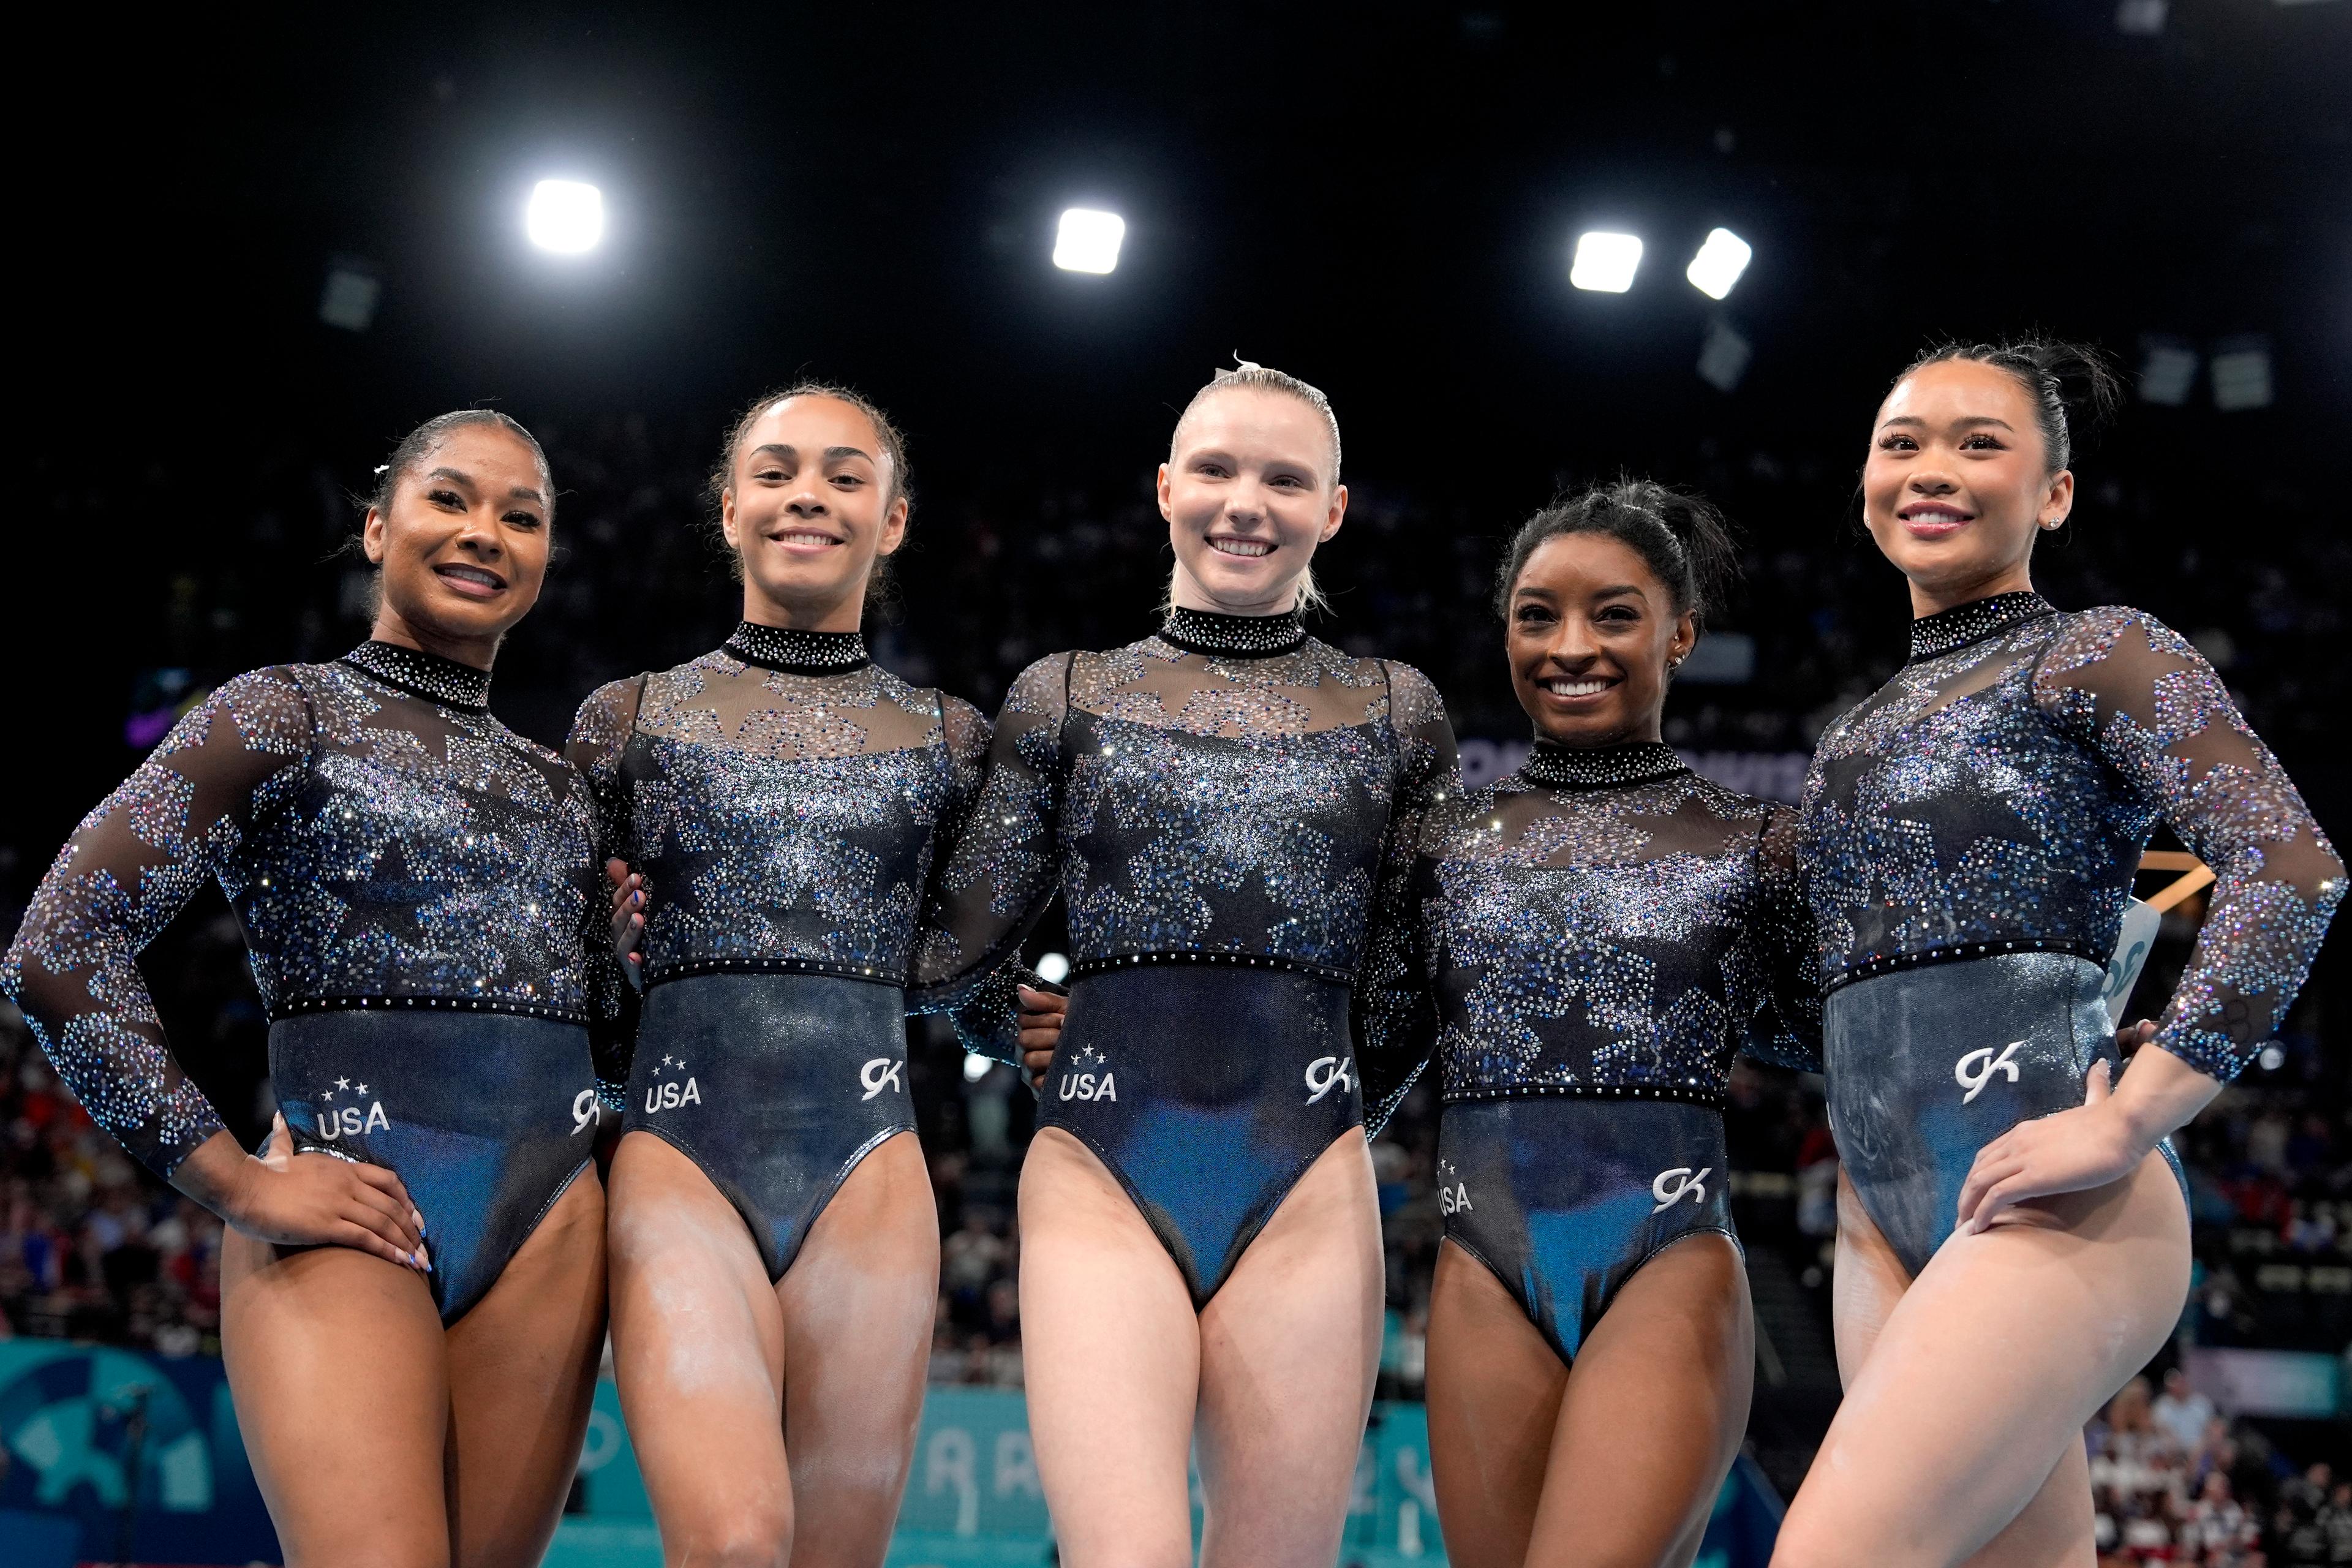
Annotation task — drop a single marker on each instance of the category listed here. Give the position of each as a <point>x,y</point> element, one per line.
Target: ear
<point>726,520</point>
<point>1338,514</point>
<point>372,537</point>
<point>2059,502</point>
<point>1686,638</point>
<point>894,528</point>
<point>1167,510</point>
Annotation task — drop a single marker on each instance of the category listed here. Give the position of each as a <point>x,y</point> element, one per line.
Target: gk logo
<point>583,1111</point>
<point>878,1075</point>
<point>1325,1074</point>
<point>1672,1185</point>
<point>1975,1071</point>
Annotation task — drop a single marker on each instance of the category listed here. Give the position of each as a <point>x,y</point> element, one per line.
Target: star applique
<point>386,903</point>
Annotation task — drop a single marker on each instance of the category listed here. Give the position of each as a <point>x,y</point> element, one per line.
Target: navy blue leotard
<point>1597,935</point>
<point>415,883</point>
<point>1228,810</point>
<point>1970,834</point>
<point>785,798</point>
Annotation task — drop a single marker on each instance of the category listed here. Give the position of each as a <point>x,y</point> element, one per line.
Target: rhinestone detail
<point>1964,623</point>
<point>426,675</point>
<point>1573,767</point>
<point>795,652</point>
<point>1234,636</point>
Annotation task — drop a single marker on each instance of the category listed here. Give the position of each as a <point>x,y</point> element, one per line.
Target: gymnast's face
<point>1249,493</point>
<point>808,509</point>
<point>463,545</point>
<point>1591,632</point>
<point>1958,482</point>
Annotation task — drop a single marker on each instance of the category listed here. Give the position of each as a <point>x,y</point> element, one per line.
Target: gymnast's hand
<point>629,890</point>
<point>313,1200</point>
<point>1041,1028</point>
<point>2101,1141</point>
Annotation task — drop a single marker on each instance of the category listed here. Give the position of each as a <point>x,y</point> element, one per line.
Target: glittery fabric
<point>1997,794</point>
<point>787,822</point>
<point>1254,811</point>
<point>382,849</point>
<point>1929,1065</point>
<point>1593,937</point>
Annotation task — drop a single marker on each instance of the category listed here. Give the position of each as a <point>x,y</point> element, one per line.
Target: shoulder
<point>964,727</point>
<point>270,710</point>
<point>2081,636</point>
<point>1414,698</point>
<point>1043,688</point>
<point>1731,804</point>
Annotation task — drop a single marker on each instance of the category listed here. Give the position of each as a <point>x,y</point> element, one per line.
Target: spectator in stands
<point>2182,1411</point>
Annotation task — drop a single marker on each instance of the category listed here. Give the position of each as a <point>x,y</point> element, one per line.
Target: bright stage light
<point>1605,262</point>
<point>1719,263</point>
<point>1089,240</point>
<point>565,216</point>
<point>1053,968</point>
<point>975,1065</point>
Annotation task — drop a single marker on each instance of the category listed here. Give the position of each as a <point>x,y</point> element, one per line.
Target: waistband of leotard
<point>1959,952</point>
<point>1183,957</point>
<point>1691,1094</point>
<point>835,969</point>
<point>305,1007</point>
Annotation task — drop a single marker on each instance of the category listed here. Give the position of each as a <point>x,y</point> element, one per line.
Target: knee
<point>751,1538</point>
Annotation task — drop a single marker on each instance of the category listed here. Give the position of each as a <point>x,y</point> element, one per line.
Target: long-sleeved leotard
<point>415,884</point>
<point>1970,834</point>
<point>1228,809</point>
<point>1597,935</point>
<point>786,799</point>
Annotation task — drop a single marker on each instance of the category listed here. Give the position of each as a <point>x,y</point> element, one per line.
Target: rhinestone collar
<point>1234,636</point>
<point>797,652</point>
<point>1964,623</point>
<point>1577,767</point>
<point>426,675</point>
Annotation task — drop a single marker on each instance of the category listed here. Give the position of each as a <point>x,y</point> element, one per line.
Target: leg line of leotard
<point>1246,1233</point>
<point>814,1210</point>
<point>1142,1208</point>
<point>554,1197</point>
<point>751,1223</point>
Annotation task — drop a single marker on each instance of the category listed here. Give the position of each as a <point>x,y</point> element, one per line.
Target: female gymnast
<point>1227,807</point>
<point>2012,1239</point>
<point>1600,933</point>
<point>413,1287</point>
<point>775,1247</point>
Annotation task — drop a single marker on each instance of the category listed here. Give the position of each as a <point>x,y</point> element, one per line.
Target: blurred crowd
<point>91,1246</point>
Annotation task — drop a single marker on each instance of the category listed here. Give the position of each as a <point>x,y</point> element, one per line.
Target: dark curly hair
<point>1680,536</point>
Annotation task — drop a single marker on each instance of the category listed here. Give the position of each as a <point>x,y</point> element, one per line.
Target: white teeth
<point>804,539</point>
<point>471,574</point>
<point>1576,687</point>
<point>1249,547</point>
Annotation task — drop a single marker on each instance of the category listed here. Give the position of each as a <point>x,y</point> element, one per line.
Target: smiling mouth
<point>1575,686</point>
<point>804,539</point>
<point>1933,520</point>
<point>474,582</point>
<point>1248,549</point>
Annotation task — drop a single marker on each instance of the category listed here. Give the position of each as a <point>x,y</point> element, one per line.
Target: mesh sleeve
<point>599,738</point>
<point>2160,716</point>
<point>1000,872</point>
<point>1786,1029</point>
<point>1395,1028</point>
<point>130,867</point>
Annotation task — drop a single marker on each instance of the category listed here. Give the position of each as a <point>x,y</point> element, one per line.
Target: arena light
<point>1723,356</point>
<point>566,217</point>
<point>2241,373</point>
<point>975,1065</point>
<point>2168,370</point>
<point>1053,968</point>
<point>1088,240</point>
<point>1719,263</point>
<point>1605,262</point>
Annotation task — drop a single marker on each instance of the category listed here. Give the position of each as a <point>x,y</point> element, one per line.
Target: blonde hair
<point>1248,374</point>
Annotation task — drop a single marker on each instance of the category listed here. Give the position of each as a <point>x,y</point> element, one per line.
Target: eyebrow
<point>459,475</point>
<point>1964,419</point>
<point>787,449</point>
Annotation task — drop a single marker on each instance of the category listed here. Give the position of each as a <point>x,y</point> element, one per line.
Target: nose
<point>480,535</point>
<point>808,503</point>
<point>1571,645</point>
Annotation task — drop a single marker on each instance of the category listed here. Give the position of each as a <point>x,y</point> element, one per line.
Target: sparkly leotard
<point>785,798</point>
<point>415,883</point>
<point>1599,934</point>
<point>1228,810</point>
<point>1971,832</point>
